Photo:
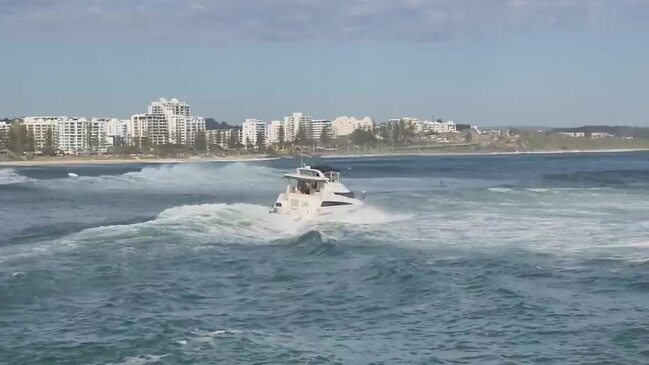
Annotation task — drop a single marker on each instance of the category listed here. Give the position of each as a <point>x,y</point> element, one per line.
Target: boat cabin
<point>311,180</point>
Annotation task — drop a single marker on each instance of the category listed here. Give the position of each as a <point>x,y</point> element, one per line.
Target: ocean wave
<point>142,360</point>
<point>601,178</point>
<point>234,223</point>
<point>199,178</point>
<point>11,176</point>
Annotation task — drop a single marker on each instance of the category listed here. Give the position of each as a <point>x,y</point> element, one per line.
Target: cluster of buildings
<point>166,122</point>
<point>594,135</point>
<point>170,121</point>
<point>297,127</point>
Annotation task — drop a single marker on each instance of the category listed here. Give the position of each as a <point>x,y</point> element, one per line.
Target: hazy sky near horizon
<point>485,62</point>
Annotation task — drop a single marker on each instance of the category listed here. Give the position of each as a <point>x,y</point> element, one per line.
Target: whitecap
<point>141,360</point>
<point>500,190</point>
<point>11,176</point>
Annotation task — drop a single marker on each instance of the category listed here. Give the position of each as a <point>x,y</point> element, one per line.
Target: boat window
<point>308,187</point>
<point>332,176</point>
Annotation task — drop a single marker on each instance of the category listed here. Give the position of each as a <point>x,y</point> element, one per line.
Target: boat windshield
<point>305,187</point>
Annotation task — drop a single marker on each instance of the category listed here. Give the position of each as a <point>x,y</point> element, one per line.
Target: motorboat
<point>316,191</point>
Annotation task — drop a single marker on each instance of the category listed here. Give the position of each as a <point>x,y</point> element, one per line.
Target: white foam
<point>141,360</point>
<point>540,190</point>
<point>195,177</point>
<point>500,190</point>
<point>209,224</point>
<point>11,176</point>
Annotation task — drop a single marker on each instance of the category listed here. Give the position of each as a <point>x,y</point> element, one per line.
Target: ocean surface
<point>510,259</point>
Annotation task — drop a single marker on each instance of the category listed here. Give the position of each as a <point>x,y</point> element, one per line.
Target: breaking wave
<point>234,223</point>
<point>200,177</point>
<point>11,176</point>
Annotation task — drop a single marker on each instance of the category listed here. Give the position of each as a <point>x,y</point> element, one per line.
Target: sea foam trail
<point>186,177</point>
<point>11,176</point>
<point>240,223</point>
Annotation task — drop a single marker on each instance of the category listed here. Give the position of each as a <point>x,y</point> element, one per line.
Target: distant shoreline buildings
<point>170,122</point>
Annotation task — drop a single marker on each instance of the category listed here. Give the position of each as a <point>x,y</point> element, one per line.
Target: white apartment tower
<point>77,135</point>
<point>44,130</point>
<point>4,134</point>
<point>151,129</point>
<point>223,137</point>
<point>293,124</point>
<point>318,127</point>
<point>116,131</point>
<point>251,130</point>
<point>182,127</point>
<point>275,132</point>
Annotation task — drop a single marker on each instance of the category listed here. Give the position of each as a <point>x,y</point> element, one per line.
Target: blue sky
<point>485,62</point>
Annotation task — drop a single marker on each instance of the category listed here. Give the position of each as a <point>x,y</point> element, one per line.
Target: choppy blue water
<point>457,260</point>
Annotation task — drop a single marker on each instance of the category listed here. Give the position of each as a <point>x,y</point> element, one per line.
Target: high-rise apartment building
<point>294,123</point>
<point>318,127</point>
<point>251,131</point>
<point>44,130</point>
<point>275,132</point>
<point>77,135</point>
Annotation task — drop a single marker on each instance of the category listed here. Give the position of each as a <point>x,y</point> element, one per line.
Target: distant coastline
<point>116,161</point>
<point>260,157</point>
<point>484,153</point>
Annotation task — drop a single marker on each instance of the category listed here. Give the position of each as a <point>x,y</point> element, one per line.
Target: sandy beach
<point>252,158</point>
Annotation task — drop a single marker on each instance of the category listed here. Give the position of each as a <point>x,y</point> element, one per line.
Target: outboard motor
<point>363,195</point>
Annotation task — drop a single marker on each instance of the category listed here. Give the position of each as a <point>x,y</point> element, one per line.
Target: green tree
<point>249,145</point>
<point>260,142</point>
<point>19,140</point>
<point>363,138</point>
<point>145,145</point>
<point>200,143</point>
<point>233,141</point>
<point>301,138</point>
<point>282,134</point>
<point>396,132</point>
<point>408,133</point>
<point>325,136</point>
<point>383,132</point>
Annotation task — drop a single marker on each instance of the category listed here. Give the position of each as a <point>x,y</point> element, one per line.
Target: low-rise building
<point>573,134</point>
<point>344,126</point>
<point>228,138</point>
<point>439,127</point>
<point>598,135</point>
<point>413,125</point>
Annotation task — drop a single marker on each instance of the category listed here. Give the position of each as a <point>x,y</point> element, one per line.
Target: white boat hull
<point>314,194</point>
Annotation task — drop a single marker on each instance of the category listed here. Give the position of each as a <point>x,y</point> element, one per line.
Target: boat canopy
<point>325,168</point>
<point>305,177</point>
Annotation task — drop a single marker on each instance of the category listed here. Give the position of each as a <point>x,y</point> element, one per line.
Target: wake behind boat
<point>316,191</point>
